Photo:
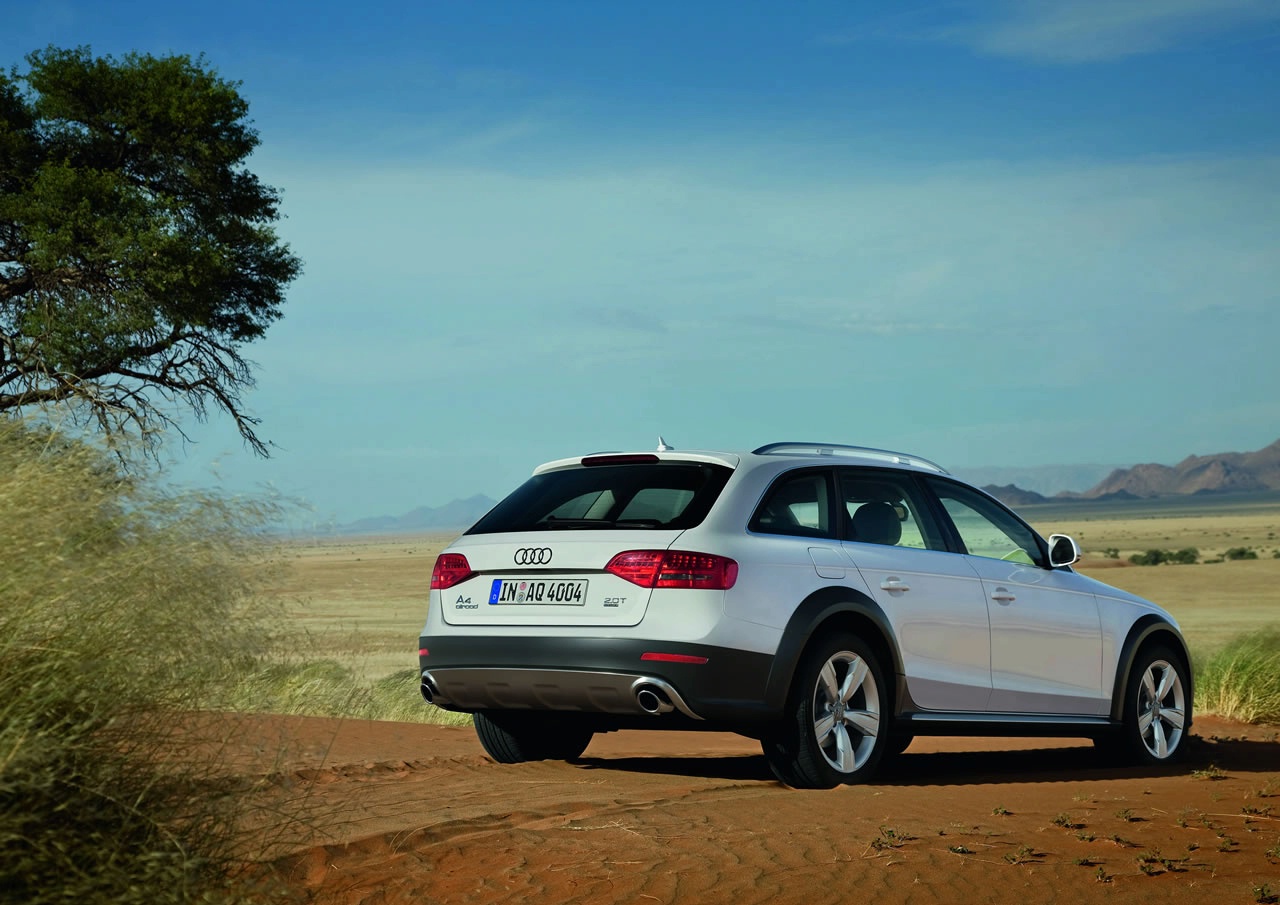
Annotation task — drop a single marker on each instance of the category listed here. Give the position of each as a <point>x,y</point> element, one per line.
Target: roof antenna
<point>662,445</point>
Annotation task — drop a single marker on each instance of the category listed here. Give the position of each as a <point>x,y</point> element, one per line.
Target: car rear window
<point>631,496</point>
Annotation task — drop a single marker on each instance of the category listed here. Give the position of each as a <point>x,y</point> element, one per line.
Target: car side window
<point>985,527</point>
<point>886,508</point>
<point>797,504</point>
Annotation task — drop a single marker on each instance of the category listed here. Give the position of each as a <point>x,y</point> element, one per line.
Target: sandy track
<point>419,814</point>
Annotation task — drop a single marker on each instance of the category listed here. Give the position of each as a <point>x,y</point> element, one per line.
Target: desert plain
<point>410,812</point>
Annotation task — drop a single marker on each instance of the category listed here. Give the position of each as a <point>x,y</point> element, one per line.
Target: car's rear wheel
<point>834,731</point>
<point>1156,710</point>
<point>515,737</point>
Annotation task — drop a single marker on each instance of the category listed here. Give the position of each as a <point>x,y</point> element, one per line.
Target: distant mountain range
<point>453,516</point>
<point>1229,472</point>
<point>1046,480</point>
<point>1217,473</point>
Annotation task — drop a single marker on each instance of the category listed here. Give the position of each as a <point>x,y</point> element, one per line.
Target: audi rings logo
<point>533,556</point>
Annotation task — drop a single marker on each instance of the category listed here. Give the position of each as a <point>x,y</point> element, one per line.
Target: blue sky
<point>997,233</point>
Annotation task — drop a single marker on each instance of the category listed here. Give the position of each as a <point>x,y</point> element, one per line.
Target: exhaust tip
<point>653,700</point>
<point>428,689</point>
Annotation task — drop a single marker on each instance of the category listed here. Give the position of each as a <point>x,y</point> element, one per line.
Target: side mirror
<point>1063,550</point>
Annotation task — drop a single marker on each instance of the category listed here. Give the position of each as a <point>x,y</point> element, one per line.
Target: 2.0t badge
<point>533,556</point>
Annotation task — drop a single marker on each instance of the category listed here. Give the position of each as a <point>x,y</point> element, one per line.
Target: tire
<point>780,759</point>
<point>836,730</point>
<point>513,738</point>
<point>1156,709</point>
<point>898,742</point>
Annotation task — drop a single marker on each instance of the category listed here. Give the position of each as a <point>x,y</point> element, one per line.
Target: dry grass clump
<point>123,606</point>
<point>328,688</point>
<point>1241,681</point>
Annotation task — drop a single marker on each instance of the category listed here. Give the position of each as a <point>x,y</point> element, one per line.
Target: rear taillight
<point>451,569</point>
<point>674,569</point>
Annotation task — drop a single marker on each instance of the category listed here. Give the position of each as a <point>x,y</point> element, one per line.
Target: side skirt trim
<point>1004,724</point>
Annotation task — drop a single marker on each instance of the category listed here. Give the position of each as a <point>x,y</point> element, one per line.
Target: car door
<point>933,599</point>
<point>1046,636</point>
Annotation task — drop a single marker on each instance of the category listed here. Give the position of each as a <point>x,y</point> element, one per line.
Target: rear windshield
<point>649,495</point>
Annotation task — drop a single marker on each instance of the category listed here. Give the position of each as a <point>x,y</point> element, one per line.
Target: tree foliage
<point>137,253</point>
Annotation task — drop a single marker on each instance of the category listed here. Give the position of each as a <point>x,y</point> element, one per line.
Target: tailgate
<point>548,578</point>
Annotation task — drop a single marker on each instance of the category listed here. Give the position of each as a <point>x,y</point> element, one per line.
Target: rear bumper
<point>605,676</point>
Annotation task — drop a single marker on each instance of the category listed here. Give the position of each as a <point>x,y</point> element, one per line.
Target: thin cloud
<point>1088,31</point>
<point>865,325</point>
<point>500,135</point>
<point>604,261</point>
<point>621,320</point>
<point>413,453</point>
<point>860,317</point>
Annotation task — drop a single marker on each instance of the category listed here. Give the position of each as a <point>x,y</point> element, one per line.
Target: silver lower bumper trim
<point>546,689</point>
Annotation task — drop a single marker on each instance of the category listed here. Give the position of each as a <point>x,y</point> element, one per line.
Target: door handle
<point>894,584</point>
<point>1003,595</point>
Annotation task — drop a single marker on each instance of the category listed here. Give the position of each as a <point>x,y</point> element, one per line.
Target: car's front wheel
<point>836,729</point>
<point>515,737</point>
<point>1156,711</point>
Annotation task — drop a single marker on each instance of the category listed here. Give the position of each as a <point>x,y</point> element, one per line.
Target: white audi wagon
<point>831,601</point>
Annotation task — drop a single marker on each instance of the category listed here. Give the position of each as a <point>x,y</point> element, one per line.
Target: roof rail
<point>838,449</point>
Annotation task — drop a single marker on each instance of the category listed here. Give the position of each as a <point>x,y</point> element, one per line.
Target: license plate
<point>565,591</point>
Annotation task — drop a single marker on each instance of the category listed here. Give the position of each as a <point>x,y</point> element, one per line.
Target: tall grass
<point>1241,681</point>
<point>123,607</point>
<point>328,688</point>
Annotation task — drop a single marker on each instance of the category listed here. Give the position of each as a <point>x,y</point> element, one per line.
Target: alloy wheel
<point>846,711</point>
<point>1161,709</point>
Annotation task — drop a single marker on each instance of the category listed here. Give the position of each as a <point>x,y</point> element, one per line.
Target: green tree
<point>137,253</point>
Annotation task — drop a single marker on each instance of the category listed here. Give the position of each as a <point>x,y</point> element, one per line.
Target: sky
<point>991,233</point>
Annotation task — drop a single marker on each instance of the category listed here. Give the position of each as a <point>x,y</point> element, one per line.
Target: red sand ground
<point>418,814</point>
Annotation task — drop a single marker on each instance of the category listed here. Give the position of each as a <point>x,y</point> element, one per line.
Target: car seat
<point>876,523</point>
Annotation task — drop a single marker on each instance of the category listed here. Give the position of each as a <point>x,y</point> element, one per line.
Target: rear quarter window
<point>798,505</point>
